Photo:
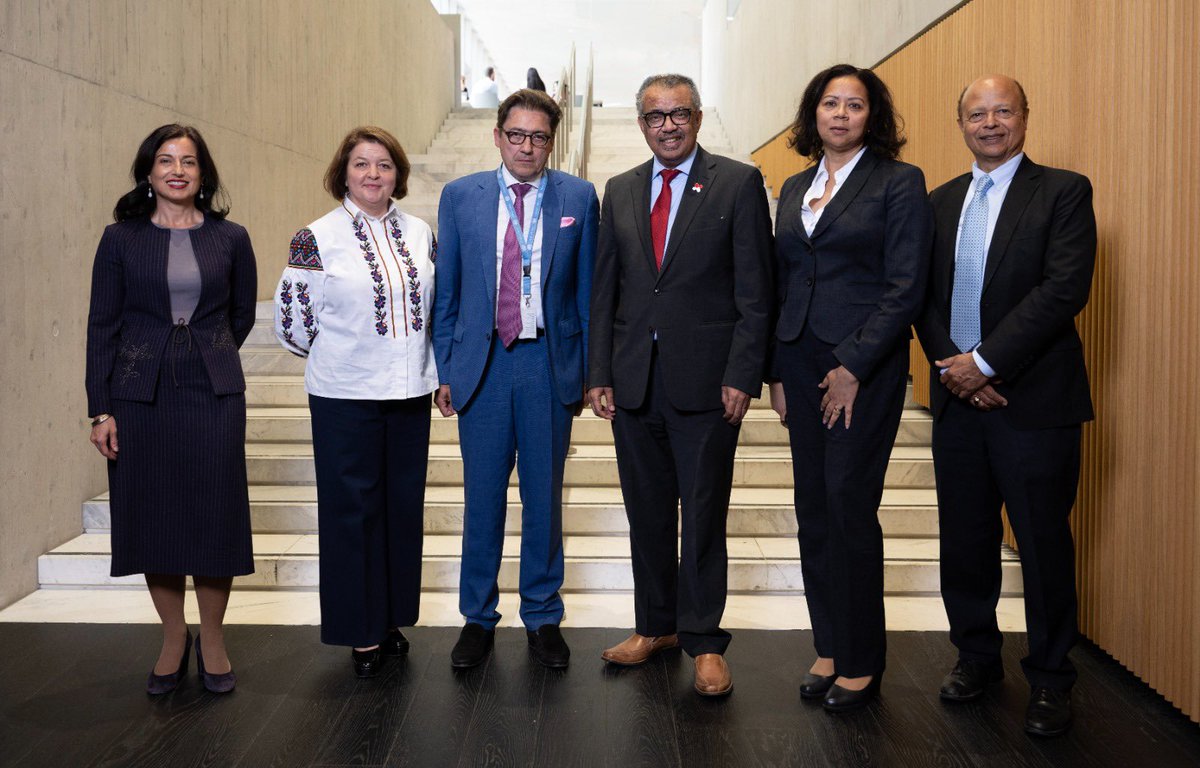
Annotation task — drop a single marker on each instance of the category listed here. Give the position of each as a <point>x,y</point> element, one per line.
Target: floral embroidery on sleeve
<point>304,253</point>
<point>410,269</point>
<point>433,249</point>
<point>285,310</point>
<point>364,244</point>
<point>306,311</point>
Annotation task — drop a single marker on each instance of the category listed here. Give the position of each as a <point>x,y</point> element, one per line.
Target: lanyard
<point>523,240</point>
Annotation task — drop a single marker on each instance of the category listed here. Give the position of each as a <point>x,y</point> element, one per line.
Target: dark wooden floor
<point>72,695</point>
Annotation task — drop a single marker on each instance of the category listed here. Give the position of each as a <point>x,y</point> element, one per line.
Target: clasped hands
<point>841,389</point>
<point>964,379</point>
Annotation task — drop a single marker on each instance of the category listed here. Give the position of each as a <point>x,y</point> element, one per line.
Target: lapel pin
<point>697,187</point>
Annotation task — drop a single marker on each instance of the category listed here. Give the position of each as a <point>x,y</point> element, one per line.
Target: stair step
<point>593,563</point>
<point>764,512</point>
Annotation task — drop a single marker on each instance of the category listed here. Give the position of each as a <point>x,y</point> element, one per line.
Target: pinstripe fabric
<point>178,488</point>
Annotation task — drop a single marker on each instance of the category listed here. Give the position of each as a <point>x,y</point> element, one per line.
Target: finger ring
<point>976,398</point>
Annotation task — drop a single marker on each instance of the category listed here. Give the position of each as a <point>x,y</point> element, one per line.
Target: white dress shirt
<point>678,186</point>
<point>816,190</point>
<point>535,267</point>
<point>356,300</point>
<point>1001,180</point>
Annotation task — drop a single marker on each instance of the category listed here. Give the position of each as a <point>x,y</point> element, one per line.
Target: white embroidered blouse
<point>355,299</point>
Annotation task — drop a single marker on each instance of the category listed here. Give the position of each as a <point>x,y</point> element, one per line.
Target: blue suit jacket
<point>464,312</point>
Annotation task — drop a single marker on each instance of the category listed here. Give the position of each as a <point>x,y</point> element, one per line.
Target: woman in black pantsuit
<point>173,294</point>
<point>852,239</point>
<point>355,301</point>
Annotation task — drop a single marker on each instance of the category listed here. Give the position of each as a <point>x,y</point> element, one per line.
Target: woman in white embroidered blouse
<point>355,300</point>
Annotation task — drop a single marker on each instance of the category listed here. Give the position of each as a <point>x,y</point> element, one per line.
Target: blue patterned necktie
<point>968,270</point>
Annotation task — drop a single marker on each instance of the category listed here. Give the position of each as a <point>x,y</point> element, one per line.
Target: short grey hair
<point>668,81</point>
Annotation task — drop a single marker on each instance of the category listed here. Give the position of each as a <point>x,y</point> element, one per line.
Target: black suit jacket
<point>1036,279</point>
<point>859,280</point>
<point>130,317</point>
<point>710,304</point>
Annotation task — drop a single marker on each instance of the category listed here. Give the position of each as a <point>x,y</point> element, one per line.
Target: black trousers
<point>371,457</point>
<point>981,462</point>
<point>839,475</point>
<point>677,464</point>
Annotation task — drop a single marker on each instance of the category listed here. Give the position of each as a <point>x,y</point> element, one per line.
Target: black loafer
<point>816,686</point>
<point>968,679</point>
<point>396,643</point>
<point>367,663</point>
<point>547,645</point>
<point>472,647</point>
<point>1049,711</point>
<point>841,699</point>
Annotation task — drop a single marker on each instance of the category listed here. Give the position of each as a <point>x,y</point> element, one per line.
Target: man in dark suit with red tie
<point>1014,250</point>
<point>679,325</point>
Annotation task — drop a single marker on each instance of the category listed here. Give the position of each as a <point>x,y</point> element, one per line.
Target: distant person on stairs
<point>852,237</point>
<point>533,80</point>
<point>173,296</point>
<point>355,299</point>
<point>1014,252</point>
<point>681,309</point>
<point>484,93</point>
<point>510,331</point>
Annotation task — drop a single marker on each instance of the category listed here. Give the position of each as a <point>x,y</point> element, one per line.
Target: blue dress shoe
<point>1049,711</point>
<point>157,685</point>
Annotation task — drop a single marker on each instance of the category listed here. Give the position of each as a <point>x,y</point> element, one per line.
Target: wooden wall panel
<point>1114,94</point>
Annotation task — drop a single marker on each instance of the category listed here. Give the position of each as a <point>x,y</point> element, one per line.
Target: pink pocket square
<point>567,221</point>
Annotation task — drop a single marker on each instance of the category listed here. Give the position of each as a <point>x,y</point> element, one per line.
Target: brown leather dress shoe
<point>637,649</point>
<point>712,675</point>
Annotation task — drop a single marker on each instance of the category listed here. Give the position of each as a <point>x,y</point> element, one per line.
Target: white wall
<point>755,67</point>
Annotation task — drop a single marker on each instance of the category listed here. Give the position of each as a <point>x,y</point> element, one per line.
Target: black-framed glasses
<point>518,138</point>
<point>681,116</point>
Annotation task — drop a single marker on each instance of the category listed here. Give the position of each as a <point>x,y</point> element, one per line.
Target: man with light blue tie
<point>1014,251</point>
<point>510,328</point>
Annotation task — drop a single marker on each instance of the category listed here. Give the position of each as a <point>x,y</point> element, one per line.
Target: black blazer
<point>1036,279</point>
<point>859,281</point>
<point>130,318</point>
<point>709,305</point>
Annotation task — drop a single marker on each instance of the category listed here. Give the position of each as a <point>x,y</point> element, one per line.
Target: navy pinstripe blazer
<point>130,318</point>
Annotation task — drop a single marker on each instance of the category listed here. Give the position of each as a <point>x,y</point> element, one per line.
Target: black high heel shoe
<point>815,686</point>
<point>396,643</point>
<point>222,683</point>
<point>157,685</point>
<point>841,699</point>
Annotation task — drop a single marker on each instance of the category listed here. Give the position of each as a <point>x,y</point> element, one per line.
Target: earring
<point>201,193</point>
<point>150,192</point>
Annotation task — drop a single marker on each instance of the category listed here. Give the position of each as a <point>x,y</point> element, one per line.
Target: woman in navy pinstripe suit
<point>173,294</point>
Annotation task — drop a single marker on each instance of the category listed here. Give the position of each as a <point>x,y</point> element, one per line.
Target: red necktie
<point>508,305</point>
<point>660,214</point>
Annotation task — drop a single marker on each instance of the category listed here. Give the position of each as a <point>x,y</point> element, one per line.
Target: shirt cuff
<point>984,368</point>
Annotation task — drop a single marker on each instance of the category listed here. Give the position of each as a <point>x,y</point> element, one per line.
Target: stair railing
<point>564,95</point>
<point>578,161</point>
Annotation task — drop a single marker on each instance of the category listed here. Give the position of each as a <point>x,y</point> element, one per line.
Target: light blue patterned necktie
<point>968,270</point>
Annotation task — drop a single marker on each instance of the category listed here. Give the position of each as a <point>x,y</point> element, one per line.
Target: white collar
<point>1003,173</point>
<point>358,213</point>
<point>685,168</point>
<point>509,179</point>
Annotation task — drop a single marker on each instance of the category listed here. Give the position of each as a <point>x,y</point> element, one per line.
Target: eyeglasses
<point>518,138</point>
<point>1002,113</point>
<point>681,116</point>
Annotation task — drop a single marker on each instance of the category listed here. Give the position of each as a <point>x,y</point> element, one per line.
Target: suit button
<point>808,281</point>
<point>656,291</point>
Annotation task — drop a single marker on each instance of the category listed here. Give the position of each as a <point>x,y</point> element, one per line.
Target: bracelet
<point>101,419</point>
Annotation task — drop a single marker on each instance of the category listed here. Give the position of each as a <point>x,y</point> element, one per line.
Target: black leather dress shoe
<point>968,679</point>
<point>367,663</point>
<point>472,647</point>
<point>396,643</point>
<point>841,699</point>
<point>1049,711</point>
<point>816,686</point>
<point>547,645</point>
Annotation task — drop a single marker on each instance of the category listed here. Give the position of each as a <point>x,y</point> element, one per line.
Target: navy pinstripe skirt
<point>178,487</point>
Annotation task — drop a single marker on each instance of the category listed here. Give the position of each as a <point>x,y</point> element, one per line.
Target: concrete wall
<point>755,66</point>
<point>272,85</point>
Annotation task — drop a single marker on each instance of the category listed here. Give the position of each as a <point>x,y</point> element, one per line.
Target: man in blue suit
<point>510,329</point>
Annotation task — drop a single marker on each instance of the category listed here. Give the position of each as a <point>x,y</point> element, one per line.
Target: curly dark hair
<point>136,203</point>
<point>884,132</point>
